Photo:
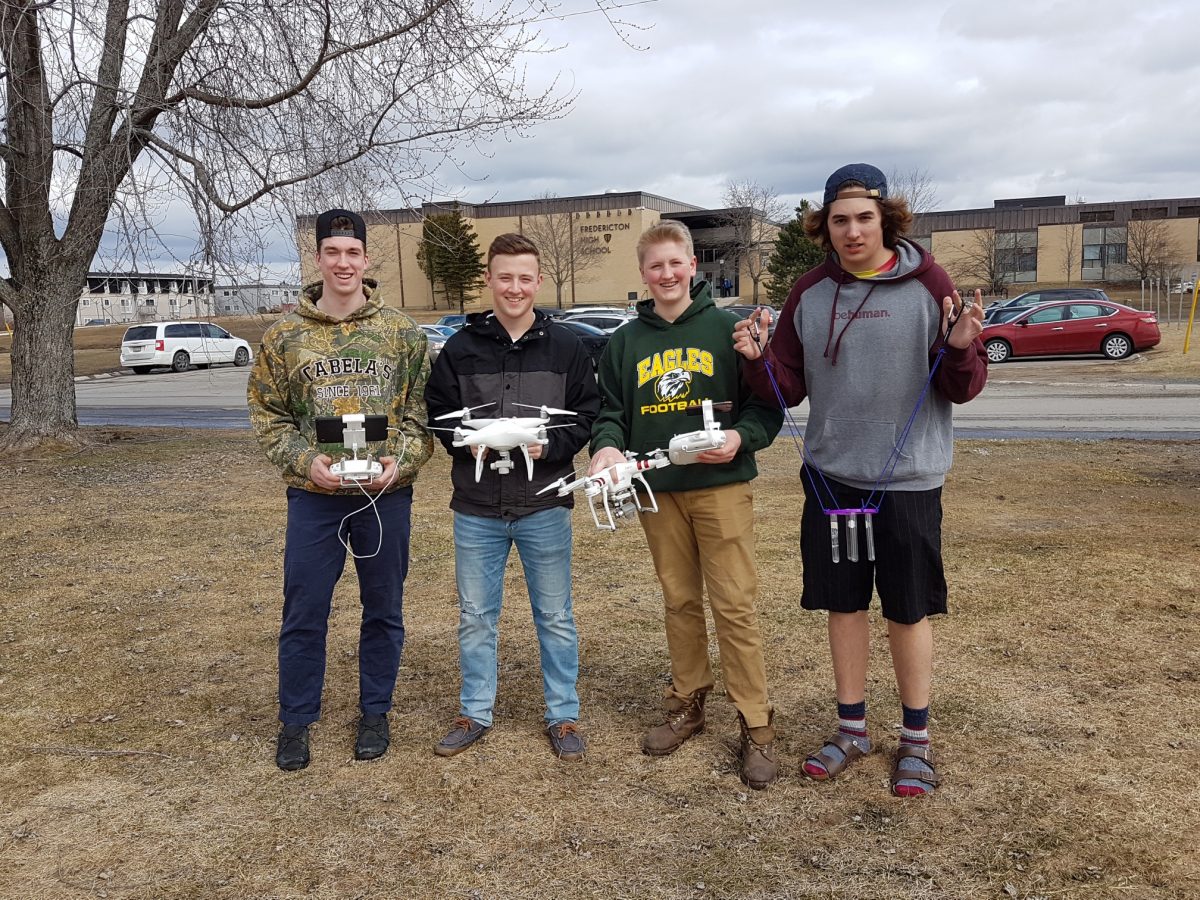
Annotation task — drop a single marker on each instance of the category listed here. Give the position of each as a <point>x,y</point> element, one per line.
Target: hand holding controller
<point>684,448</point>
<point>356,471</point>
<point>353,431</point>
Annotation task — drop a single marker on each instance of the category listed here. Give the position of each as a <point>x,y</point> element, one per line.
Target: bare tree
<point>979,261</point>
<point>1148,248</point>
<point>1072,250</point>
<point>566,253</point>
<point>916,186</point>
<point>1072,247</point>
<point>751,221</point>
<point>246,109</point>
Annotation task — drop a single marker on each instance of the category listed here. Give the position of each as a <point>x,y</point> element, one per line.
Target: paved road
<point>1018,402</point>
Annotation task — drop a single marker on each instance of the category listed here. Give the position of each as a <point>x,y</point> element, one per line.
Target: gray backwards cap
<point>872,180</point>
<point>325,227</point>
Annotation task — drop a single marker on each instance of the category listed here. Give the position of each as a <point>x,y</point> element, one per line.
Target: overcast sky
<point>1095,99</point>
<point>1091,98</point>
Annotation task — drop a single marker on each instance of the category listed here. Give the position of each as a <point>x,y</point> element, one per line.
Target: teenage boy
<point>506,361</point>
<point>341,351</point>
<point>858,337</point>
<point>676,354</point>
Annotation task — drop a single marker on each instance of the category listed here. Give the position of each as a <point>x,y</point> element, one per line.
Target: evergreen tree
<point>450,258</point>
<point>795,253</point>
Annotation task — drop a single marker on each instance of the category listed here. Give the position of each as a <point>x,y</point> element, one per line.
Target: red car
<point>1058,329</point>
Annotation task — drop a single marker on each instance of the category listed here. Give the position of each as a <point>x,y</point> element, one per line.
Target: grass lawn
<point>137,667</point>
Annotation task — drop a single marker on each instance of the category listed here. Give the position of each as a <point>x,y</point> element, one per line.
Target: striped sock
<point>852,718</point>
<point>915,732</point>
<point>852,722</point>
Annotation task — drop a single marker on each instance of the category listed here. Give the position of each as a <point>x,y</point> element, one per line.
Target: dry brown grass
<point>137,667</point>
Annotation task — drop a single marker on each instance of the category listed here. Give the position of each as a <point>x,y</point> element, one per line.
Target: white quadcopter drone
<point>616,487</point>
<point>502,434</point>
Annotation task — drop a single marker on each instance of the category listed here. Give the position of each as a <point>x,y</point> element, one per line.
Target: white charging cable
<point>372,499</point>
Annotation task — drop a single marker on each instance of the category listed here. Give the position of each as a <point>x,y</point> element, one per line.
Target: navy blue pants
<point>313,560</point>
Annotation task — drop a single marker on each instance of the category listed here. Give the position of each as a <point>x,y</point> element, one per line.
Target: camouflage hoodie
<point>311,364</point>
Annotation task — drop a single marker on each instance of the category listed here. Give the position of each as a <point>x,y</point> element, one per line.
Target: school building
<point>1046,242</point>
<point>1019,243</point>
<point>608,225</point>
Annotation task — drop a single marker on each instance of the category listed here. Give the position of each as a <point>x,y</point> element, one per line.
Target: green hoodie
<point>311,364</point>
<point>653,370</point>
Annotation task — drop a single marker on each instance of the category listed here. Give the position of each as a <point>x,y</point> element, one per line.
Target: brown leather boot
<point>684,718</point>
<point>760,766</point>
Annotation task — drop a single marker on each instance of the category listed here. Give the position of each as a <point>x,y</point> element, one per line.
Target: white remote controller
<point>356,471</point>
<point>684,448</point>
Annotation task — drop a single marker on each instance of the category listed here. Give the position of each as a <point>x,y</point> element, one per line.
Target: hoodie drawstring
<point>833,317</point>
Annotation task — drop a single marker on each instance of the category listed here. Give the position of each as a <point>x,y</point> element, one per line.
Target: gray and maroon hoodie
<point>860,350</point>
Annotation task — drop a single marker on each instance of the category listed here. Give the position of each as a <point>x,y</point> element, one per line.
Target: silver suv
<point>180,345</point>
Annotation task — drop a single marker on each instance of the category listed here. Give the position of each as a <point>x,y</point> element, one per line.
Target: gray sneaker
<point>566,740</point>
<point>462,734</point>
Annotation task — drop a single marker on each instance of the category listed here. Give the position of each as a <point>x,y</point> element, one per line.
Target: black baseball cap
<point>872,180</point>
<point>325,227</point>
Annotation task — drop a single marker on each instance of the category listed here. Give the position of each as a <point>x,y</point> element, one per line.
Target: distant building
<point>247,299</point>
<point>1042,241</point>
<point>610,222</point>
<point>144,296</point>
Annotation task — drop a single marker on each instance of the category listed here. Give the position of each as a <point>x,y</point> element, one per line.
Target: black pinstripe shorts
<point>907,571</point>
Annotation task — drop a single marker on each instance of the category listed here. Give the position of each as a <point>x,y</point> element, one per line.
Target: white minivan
<point>180,345</point>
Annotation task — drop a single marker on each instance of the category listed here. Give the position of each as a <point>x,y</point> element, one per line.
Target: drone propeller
<point>547,410</point>
<point>555,485</point>
<point>464,413</point>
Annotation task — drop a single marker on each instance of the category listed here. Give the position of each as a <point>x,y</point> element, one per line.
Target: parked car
<point>453,320</point>
<point>1031,299</point>
<point>180,345</point>
<point>1187,287</point>
<point>97,322</point>
<point>594,340</point>
<point>743,311</point>
<point>594,311</point>
<point>436,337</point>
<point>1057,329</point>
<point>606,322</point>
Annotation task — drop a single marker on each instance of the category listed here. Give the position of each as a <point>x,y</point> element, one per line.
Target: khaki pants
<point>705,538</point>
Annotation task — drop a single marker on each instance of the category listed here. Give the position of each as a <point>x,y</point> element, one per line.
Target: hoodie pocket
<point>858,450</point>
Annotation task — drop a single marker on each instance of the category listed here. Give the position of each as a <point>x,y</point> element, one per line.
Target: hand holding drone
<point>615,489</point>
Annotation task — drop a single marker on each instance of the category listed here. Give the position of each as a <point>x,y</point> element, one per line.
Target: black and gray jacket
<point>546,366</point>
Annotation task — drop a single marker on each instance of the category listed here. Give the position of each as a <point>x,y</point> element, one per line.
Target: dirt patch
<point>137,663</point>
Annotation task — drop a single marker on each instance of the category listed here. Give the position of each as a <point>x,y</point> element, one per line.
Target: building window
<point>925,242</point>
<point>1187,212</point>
<point>1097,215</point>
<point>1103,248</point>
<point>1016,255</point>
<point>1148,212</point>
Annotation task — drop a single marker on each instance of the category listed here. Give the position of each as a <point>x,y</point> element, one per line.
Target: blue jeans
<point>313,559</point>
<point>481,548</point>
